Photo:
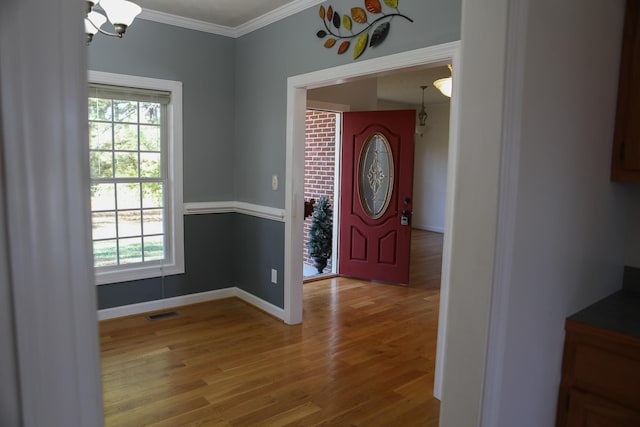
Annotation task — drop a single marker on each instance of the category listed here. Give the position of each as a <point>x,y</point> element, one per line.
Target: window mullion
<point>132,232</point>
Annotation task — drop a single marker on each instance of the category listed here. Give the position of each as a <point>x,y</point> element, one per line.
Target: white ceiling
<point>229,13</point>
<point>404,87</point>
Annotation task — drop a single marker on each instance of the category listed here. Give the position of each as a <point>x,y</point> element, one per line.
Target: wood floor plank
<point>364,356</point>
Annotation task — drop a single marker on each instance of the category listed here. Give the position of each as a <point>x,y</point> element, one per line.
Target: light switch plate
<point>274,182</point>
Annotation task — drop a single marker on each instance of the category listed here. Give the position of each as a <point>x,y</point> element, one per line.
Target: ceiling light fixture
<point>120,13</point>
<point>445,85</point>
<point>422,115</point>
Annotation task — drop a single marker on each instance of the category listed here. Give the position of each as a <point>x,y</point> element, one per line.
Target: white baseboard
<point>144,307</point>
<point>260,303</point>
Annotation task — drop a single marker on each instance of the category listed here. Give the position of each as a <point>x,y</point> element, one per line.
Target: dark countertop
<point>619,312</point>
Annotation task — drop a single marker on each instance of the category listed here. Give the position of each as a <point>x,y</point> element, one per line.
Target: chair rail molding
<point>266,212</point>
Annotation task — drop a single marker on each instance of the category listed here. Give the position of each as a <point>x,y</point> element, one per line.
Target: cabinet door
<point>625,164</point>
<point>590,410</point>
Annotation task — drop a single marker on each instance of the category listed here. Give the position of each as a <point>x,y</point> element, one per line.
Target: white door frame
<point>294,185</point>
<point>337,109</point>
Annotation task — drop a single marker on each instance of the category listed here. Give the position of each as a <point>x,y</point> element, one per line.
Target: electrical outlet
<point>274,276</point>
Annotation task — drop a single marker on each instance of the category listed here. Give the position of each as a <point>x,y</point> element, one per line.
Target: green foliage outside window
<point>127,191</point>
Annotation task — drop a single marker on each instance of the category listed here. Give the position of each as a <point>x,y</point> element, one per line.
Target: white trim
<point>447,240</point>
<point>265,212</point>
<point>260,211</point>
<point>275,15</point>
<point>260,303</point>
<point>337,174</point>
<point>133,81</point>
<point>294,194</point>
<point>198,208</point>
<point>147,306</point>
<point>296,104</point>
<point>507,200</point>
<point>223,30</point>
<point>429,55</point>
<point>137,273</point>
<point>175,265</point>
<point>179,301</point>
<point>189,23</point>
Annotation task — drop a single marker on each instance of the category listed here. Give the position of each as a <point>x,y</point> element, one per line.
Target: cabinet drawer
<point>611,374</point>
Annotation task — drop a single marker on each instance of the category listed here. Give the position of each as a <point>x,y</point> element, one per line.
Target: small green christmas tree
<point>321,233</point>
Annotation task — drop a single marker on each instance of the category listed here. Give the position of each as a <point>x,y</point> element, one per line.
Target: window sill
<point>138,273</point>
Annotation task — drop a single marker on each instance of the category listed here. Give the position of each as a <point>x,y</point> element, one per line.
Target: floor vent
<point>162,315</point>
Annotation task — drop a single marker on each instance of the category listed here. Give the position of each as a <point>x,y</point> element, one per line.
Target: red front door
<point>376,195</point>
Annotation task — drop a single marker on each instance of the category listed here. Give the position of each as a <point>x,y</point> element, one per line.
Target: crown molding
<point>191,24</point>
<point>234,32</point>
<point>275,15</point>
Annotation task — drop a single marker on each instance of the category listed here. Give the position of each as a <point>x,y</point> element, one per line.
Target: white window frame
<point>174,207</point>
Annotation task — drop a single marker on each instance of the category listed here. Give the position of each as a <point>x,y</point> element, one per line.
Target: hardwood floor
<point>426,259</point>
<point>364,356</point>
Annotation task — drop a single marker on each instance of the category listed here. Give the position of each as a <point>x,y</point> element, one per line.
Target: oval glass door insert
<point>375,175</point>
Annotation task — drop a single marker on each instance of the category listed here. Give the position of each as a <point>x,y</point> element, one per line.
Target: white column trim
<point>447,240</point>
<point>515,52</point>
<point>44,150</point>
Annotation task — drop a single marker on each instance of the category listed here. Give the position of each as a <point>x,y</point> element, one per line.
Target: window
<point>135,156</point>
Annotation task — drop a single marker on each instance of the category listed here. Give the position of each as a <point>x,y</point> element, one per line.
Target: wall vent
<point>162,315</point>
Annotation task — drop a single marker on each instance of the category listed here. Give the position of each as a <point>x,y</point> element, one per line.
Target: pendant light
<point>422,115</point>
<point>445,85</point>
<point>120,14</point>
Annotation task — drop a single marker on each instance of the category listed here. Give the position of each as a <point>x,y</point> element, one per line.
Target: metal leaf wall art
<point>339,29</point>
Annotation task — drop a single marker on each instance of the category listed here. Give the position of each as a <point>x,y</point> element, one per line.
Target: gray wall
<point>234,125</point>
<point>430,170</point>
<point>267,57</point>
<point>204,64</point>
<point>259,247</point>
<point>209,259</point>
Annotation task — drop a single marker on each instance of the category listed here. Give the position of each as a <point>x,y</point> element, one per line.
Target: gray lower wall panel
<point>259,247</point>
<point>208,247</point>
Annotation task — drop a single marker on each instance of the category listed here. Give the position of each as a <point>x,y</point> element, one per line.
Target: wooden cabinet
<point>625,165</point>
<point>600,383</point>
<point>587,409</point>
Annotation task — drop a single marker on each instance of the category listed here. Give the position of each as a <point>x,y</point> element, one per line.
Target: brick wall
<point>319,162</point>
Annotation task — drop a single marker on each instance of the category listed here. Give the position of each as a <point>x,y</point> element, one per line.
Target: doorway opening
<point>321,178</point>
<point>400,90</point>
<point>297,87</point>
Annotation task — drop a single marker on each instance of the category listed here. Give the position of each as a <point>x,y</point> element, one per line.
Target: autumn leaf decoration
<point>373,33</point>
